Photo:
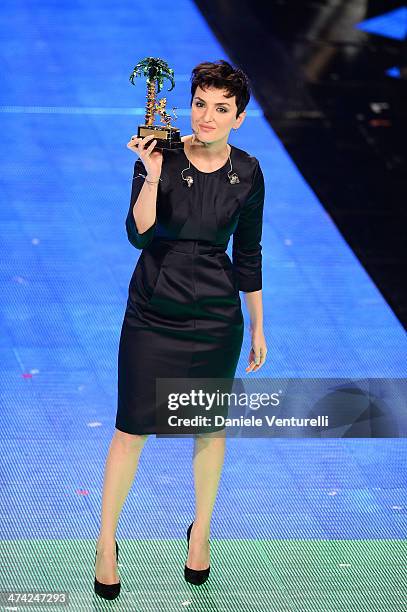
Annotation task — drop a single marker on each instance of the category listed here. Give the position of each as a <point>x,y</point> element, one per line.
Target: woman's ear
<point>240,120</point>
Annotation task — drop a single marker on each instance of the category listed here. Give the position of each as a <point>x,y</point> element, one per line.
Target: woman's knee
<point>219,433</point>
<point>130,440</point>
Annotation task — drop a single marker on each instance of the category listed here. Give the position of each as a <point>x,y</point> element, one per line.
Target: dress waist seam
<point>186,246</point>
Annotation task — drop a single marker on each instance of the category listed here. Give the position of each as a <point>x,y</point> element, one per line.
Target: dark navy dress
<point>183,317</point>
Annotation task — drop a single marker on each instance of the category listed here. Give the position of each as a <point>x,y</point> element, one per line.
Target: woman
<point>183,317</point>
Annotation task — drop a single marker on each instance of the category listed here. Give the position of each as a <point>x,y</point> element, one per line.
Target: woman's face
<point>213,115</point>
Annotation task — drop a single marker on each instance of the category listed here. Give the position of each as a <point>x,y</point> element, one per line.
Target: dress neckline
<point>212,171</point>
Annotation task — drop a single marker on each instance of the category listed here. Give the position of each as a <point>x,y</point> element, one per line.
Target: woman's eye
<point>219,108</point>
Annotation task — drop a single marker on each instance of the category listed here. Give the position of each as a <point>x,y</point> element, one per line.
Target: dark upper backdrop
<point>323,86</point>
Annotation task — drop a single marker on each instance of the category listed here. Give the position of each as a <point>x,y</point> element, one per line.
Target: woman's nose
<point>207,116</point>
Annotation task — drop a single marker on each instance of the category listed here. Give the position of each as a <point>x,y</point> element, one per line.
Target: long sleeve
<point>247,249</point>
<point>139,241</point>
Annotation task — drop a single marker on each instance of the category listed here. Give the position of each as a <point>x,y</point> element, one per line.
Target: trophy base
<point>167,137</point>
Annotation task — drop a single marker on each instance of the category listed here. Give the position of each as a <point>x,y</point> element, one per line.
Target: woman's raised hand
<point>152,160</point>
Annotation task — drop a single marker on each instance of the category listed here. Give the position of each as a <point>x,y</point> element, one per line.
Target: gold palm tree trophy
<point>156,70</point>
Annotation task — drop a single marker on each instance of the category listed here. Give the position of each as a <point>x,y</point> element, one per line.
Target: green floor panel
<point>338,601</point>
<point>259,575</point>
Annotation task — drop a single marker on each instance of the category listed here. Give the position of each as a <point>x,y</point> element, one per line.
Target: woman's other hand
<point>258,352</point>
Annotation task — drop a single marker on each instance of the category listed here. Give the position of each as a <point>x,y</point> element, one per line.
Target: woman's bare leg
<point>208,459</point>
<point>120,469</point>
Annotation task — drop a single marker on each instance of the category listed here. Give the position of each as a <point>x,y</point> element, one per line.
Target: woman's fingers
<point>151,147</point>
<point>256,361</point>
<point>139,143</point>
<point>144,148</point>
<point>133,143</point>
<point>144,141</point>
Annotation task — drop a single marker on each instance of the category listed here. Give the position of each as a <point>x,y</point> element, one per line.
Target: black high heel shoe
<point>108,591</point>
<point>191,575</point>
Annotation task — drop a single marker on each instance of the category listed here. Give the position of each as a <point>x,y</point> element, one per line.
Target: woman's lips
<point>206,128</point>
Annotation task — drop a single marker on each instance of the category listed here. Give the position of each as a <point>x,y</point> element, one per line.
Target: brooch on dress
<point>233,178</point>
<point>188,179</point>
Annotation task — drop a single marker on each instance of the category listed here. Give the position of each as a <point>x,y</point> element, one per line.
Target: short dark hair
<point>222,75</point>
